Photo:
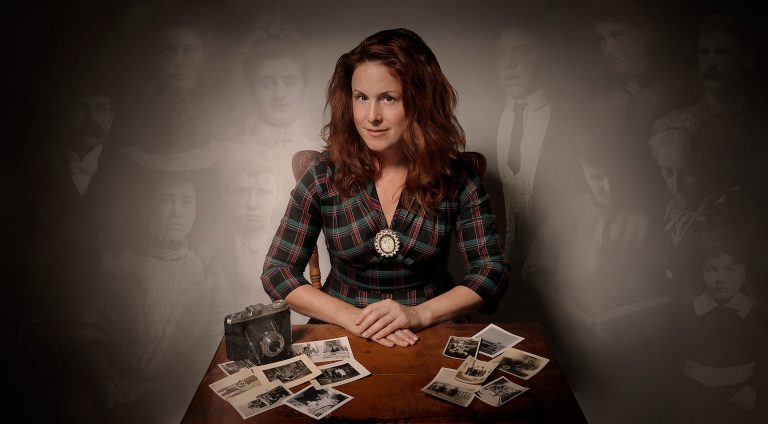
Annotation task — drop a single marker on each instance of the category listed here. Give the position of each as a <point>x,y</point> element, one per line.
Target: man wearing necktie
<point>533,142</point>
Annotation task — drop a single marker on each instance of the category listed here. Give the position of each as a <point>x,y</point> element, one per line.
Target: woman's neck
<point>392,160</point>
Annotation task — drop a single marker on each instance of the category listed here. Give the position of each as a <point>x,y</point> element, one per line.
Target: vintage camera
<point>261,333</point>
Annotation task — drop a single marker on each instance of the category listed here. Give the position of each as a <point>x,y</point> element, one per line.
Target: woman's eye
<point>361,98</point>
<point>388,99</point>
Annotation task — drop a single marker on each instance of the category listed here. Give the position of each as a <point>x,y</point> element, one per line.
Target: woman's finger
<point>385,342</point>
<point>372,317</point>
<point>374,328</point>
<point>389,329</point>
<point>399,340</point>
<point>410,334</point>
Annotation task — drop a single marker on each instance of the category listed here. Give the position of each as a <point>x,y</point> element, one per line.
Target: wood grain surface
<point>392,393</point>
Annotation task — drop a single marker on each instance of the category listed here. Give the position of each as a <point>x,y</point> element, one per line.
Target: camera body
<point>260,333</point>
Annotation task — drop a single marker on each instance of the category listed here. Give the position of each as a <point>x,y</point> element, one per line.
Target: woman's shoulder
<point>464,176</point>
<point>319,174</point>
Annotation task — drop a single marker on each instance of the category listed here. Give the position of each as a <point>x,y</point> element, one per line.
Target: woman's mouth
<point>375,132</point>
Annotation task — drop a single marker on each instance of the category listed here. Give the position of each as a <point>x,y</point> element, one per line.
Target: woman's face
<point>172,210</point>
<point>377,106</point>
<point>278,90</point>
<point>723,278</point>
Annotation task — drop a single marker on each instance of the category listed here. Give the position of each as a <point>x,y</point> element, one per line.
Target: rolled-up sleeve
<point>295,240</point>
<point>486,273</point>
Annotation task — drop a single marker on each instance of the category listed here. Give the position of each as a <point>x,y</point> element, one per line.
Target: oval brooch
<point>386,243</point>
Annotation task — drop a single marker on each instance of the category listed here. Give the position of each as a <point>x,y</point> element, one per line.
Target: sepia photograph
<point>260,399</point>
<point>235,384</point>
<point>233,367</point>
<point>495,339</point>
<point>499,392</point>
<point>475,371</point>
<point>446,387</point>
<point>291,372</point>
<point>519,363</point>
<point>461,347</point>
<point>325,350</point>
<point>339,373</point>
<point>317,403</point>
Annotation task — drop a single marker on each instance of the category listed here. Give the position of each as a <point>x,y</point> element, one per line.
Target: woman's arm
<point>382,318</point>
<point>310,301</point>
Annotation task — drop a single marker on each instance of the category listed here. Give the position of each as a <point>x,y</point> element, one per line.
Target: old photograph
<point>495,339</point>
<point>446,387</point>
<point>233,367</point>
<point>235,384</point>
<point>339,373</point>
<point>317,403</point>
<point>499,392</point>
<point>291,372</point>
<point>461,347</point>
<point>260,399</point>
<point>519,363</point>
<point>475,371</point>
<point>325,350</point>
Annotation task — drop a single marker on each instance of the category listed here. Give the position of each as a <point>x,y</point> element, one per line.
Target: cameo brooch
<point>386,243</point>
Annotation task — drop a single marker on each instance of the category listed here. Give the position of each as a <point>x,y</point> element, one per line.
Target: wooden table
<point>392,393</point>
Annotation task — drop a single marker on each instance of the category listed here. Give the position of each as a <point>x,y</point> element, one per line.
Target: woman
<point>156,322</point>
<point>387,193</point>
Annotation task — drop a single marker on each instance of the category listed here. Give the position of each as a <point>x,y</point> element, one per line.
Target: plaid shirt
<point>359,275</point>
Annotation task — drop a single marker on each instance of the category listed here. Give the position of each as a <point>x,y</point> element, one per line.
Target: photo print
<point>235,384</point>
<point>475,371</point>
<point>325,350</point>
<point>499,392</point>
<point>260,399</point>
<point>317,403</point>
<point>339,373</point>
<point>233,367</point>
<point>291,372</point>
<point>461,347</point>
<point>519,363</point>
<point>446,387</point>
<point>495,339</point>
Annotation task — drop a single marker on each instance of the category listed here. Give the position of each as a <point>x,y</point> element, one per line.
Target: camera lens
<point>272,344</point>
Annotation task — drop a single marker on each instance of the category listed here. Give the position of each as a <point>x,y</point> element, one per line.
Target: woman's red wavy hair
<point>433,137</point>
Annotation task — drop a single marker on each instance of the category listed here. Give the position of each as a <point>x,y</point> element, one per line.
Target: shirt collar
<point>739,303</point>
<point>536,100</point>
<point>89,162</point>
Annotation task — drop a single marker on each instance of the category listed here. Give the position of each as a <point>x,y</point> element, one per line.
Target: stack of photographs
<point>252,389</point>
<point>461,385</point>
